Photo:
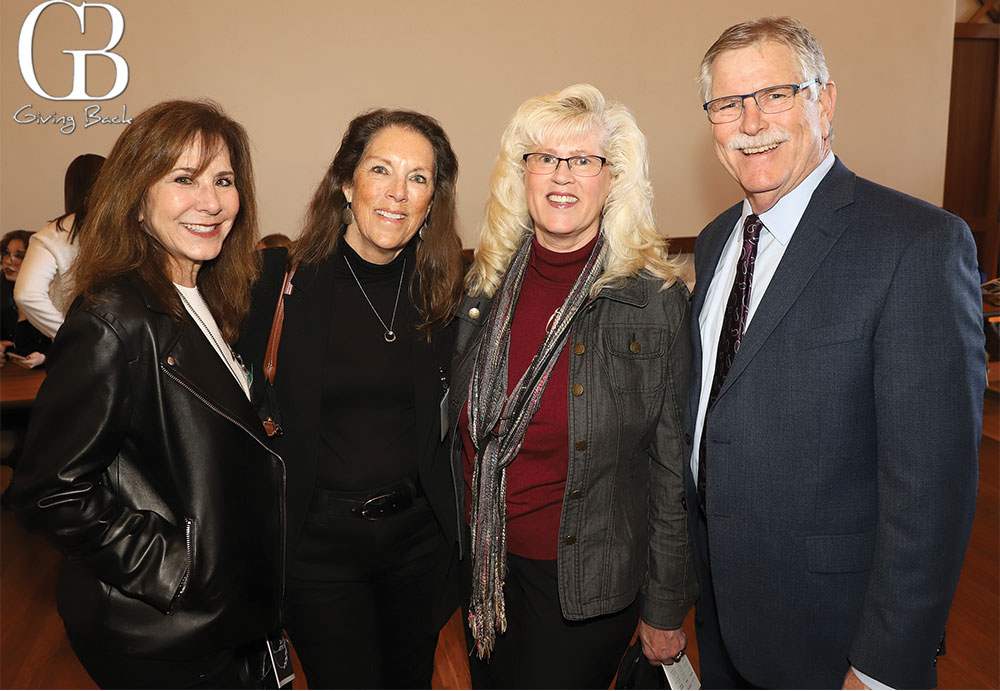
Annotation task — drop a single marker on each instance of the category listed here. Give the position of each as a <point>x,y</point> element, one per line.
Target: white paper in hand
<point>680,675</point>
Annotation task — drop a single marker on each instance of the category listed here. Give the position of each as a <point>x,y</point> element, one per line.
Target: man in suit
<point>836,403</point>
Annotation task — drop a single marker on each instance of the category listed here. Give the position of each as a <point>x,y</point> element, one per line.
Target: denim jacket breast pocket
<point>634,357</point>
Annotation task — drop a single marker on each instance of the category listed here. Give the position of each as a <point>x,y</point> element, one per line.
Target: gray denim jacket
<point>623,525</point>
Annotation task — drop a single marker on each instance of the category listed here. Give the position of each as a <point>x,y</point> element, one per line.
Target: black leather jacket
<point>145,465</point>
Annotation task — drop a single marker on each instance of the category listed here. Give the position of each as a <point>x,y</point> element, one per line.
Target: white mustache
<point>773,135</point>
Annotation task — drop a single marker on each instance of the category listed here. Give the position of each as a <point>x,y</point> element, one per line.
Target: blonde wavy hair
<point>633,244</point>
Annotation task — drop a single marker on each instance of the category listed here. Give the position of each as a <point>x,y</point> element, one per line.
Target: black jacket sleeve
<point>65,484</point>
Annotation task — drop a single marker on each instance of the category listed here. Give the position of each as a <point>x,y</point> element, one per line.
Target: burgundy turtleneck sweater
<point>536,479</point>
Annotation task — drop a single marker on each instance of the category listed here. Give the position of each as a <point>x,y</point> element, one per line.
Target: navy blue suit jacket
<point>843,446</point>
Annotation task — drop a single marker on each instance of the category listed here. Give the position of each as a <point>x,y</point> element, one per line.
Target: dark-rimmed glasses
<point>587,165</point>
<point>770,100</point>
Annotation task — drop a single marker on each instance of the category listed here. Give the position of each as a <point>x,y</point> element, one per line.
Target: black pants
<point>717,669</point>
<point>543,650</point>
<point>227,669</point>
<point>361,598</point>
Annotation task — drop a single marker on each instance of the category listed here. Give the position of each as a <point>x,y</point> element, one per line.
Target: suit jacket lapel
<point>818,231</point>
<point>708,252</point>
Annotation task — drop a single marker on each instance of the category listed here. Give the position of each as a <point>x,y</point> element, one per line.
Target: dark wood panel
<point>972,180</point>
<point>983,31</point>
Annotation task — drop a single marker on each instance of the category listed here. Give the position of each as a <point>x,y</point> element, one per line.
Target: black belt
<point>367,505</point>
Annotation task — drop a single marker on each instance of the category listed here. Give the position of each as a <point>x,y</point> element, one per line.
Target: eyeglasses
<point>586,166</point>
<point>770,100</point>
<point>15,258</point>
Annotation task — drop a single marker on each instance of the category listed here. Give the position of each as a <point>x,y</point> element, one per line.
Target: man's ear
<point>827,104</point>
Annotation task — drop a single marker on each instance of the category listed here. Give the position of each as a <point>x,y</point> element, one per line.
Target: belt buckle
<point>375,503</point>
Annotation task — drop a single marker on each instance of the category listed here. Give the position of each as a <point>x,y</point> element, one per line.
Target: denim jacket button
<point>474,313</point>
<point>570,539</point>
<point>635,347</point>
<point>577,389</point>
<point>579,349</point>
<point>581,445</point>
<point>576,494</point>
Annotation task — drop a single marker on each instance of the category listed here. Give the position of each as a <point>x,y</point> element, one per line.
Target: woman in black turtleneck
<point>362,370</point>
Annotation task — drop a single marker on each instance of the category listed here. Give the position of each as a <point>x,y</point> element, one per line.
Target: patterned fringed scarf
<point>497,425</point>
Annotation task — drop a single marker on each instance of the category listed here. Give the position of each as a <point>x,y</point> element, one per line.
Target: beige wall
<point>294,72</point>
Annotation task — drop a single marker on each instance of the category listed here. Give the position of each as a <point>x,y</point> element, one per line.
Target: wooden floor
<point>34,653</point>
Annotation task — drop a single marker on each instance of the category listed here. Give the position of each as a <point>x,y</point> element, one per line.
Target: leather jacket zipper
<point>189,548</point>
<point>189,565</point>
<point>281,461</point>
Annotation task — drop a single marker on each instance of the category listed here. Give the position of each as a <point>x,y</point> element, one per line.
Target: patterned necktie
<point>734,323</point>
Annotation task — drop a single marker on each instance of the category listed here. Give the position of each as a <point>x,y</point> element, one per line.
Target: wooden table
<point>19,386</point>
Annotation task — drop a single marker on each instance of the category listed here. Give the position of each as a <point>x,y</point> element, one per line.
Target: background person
<point>274,240</point>
<point>17,335</point>
<point>45,290</point>
<point>162,495</point>
<point>362,369</point>
<point>836,409</point>
<point>575,328</point>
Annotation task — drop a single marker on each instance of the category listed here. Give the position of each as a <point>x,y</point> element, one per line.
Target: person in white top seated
<point>44,289</point>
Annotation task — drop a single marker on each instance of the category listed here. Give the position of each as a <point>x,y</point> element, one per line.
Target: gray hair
<point>784,30</point>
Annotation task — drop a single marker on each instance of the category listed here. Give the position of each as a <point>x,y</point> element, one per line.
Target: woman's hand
<point>4,345</point>
<point>31,361</point>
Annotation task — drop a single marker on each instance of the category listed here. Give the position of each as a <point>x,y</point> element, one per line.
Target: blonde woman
<point>571,367</point>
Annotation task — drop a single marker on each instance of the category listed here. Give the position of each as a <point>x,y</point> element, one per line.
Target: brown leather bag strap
<point>271,354</point>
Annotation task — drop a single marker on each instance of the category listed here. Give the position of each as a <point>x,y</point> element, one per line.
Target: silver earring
<point>347,216</point>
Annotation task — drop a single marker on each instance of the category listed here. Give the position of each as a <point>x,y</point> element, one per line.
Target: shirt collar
<point>782,218</point>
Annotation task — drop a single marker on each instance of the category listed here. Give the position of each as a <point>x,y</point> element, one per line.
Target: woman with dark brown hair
<point>162,494</point>
<point>45,290</point>
<point>361,377</point>
<point>19,340</point>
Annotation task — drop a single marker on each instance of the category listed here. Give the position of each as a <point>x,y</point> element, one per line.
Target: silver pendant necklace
<point>389,334</point>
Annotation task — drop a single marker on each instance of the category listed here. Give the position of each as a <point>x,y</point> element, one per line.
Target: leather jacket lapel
<point>192,361</point>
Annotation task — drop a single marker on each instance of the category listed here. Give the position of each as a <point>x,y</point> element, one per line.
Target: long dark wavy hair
<point>81,174</point>
<point>436,286</point>
<point>112,240</point>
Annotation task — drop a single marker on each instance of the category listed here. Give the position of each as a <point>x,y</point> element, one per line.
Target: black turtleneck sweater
<point>367,416</point>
